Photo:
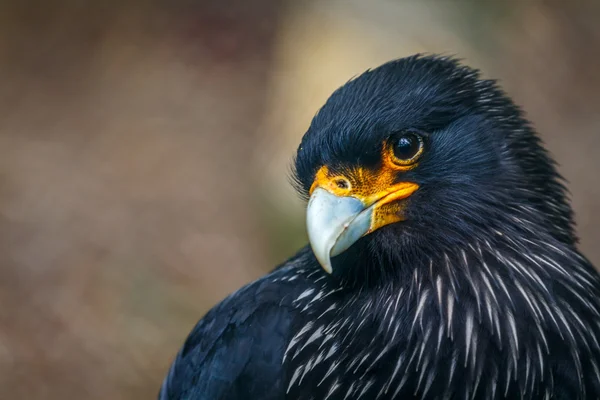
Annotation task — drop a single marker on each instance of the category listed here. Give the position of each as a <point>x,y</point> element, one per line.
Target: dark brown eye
<point>407,148</point>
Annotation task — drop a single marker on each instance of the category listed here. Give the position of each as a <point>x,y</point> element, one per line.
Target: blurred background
<point>145,151</point>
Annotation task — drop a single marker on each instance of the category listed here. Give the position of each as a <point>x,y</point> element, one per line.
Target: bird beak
<point>335,223</point>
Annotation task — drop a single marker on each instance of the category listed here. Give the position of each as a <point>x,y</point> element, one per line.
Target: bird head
<point>420,155</point>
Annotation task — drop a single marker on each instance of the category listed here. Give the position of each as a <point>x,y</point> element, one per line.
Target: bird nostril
<point>342,183</point>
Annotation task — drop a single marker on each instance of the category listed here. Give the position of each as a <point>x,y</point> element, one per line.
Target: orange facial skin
<point>375,188</point>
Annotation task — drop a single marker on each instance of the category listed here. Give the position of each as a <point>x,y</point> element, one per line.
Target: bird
<point>442,259</point>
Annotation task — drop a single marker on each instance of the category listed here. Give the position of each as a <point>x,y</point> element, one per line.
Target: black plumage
<point>478,293</point>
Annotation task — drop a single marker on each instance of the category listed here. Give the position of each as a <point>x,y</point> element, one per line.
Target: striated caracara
<point>442,261</point>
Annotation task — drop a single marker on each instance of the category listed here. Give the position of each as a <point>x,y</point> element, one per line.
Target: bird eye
<point>406,148</point>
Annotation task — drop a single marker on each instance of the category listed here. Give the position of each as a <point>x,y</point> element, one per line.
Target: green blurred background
<point>145,151</point>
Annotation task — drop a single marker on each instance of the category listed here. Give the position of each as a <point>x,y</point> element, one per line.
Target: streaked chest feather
<point>460,328</point>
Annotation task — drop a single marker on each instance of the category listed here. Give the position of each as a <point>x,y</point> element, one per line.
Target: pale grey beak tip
<point>334,223</point>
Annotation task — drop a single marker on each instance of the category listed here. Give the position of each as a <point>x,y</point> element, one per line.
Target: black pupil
<point>406,147</point>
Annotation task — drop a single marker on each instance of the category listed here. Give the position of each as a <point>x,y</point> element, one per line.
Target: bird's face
<point>411,151</point>
<point>349,202</point>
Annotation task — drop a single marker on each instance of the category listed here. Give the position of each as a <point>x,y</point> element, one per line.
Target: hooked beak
<point>335,223</point>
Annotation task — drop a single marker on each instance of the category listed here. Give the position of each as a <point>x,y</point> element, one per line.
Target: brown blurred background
<point>145,149</point>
